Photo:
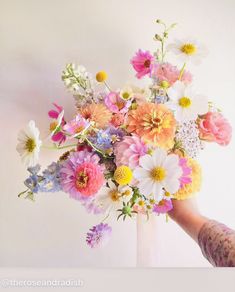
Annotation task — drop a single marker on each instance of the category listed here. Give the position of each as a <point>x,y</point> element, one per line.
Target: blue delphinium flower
<point>33,181</point>
<point>51,178</point>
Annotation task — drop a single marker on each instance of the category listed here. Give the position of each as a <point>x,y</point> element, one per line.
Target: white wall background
<point>37,39</point>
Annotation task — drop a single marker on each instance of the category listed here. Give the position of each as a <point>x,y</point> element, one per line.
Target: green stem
<point>105,83</point>
<point>106,217</point>
<point>182,71</point>
<point>58,147</point>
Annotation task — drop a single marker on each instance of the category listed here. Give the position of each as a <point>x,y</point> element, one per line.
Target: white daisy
<point>189,50</point>
<point>127,93</point>
<point>158,171</point>
<point>111,197</point>
<point>186,104</point>
<point>29,144</point>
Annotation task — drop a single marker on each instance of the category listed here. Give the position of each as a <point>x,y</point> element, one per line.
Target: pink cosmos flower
<point>76,126</point>
<point>116,104</point>
<point>81,175</point>
<point>129,151</point>
<point>163,206</point>
<point>185,178</point>
<point>58,136</point>
<point>215,128</point>
<point>142,63</point>
<point>170,73</point>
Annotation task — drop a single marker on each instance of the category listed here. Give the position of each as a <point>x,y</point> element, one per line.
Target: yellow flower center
<point>53,126</point>
<point>30,145</point>
<point>114,195</point>
<point>127,193</point>
<point>81,179</point>
<point>126,95</point>
<point>164,84</point>
<point>167,194</point>
<point>158,174</point>
<point>188,49</point>
<point>141,203</point>
<point>185,102</point>
<point>123,175</point>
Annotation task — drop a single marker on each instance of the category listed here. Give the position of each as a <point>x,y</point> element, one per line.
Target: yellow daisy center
<point>167,194</point>
<point>185,102</point>
<point>164,84</point>
<point>114,195</point>
<point>53,126</point>
<point>81,179</point>
<point>126,95</point>
<point>123,175</point>
<point>141,203</point>
<point>127,193</point>
<point>30,145</point>
<point>188,49</point>
<point>158,174</point>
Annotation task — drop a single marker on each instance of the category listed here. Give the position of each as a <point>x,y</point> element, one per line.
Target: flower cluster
<point>130,150</point>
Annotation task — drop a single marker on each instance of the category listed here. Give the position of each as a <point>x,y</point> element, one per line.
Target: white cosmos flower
<point>126,93</point>
<point>189,50</point>
<point>29,144</point>
<point>111,197</point>
<point>186,104</point>
<point>158,171</point>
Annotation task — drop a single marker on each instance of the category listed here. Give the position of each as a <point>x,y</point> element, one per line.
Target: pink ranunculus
<point>214,127</point>
<point>142,63</point>
<point>170,73</point>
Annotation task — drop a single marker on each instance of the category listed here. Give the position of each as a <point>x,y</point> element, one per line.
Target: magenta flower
<point>142,63</point>
<point>116,104</point>
<point>129,151</point>
<point>57,136</point>
<point>99,235</point>
<point>163,206</point>
<point>81,175</point>
<point>76,126</point>
<point>186,175</point>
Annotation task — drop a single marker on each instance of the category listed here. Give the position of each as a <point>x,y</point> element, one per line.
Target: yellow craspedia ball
<point>189,190</point>
<point>101,76</point>
<point>123,175</point>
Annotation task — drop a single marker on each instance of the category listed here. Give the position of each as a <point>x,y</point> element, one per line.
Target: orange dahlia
<point>154,123</point>
<point>97,113</point>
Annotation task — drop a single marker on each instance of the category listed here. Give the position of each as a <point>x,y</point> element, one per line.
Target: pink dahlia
<point>129,151</point>
<point>116,104</point>
<point>186,172</point>
<point>81,175</point>
<point>142,63</point>
<point>163,206</point>
<point>168,72</point>
<point>57,136</point>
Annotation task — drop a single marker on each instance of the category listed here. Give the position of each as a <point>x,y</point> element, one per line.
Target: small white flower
<point>186,104</point>
<point>158,171</point>
<point>188,50</point>
<point>127,93</point>
<point>29,144</point>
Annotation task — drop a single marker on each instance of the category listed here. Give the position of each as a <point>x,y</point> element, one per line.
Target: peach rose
<point>215,128</point>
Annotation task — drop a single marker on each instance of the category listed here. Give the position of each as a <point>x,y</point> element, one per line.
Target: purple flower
<point>98,235</point>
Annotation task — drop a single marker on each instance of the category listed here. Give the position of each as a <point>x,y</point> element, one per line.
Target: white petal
<point>146,162</point>
<point>159,156</point>
<point>141,173</point>
<point>171,185</point>
<point>146,187</point>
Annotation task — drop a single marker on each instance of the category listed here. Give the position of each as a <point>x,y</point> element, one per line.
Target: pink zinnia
<point>129,151</point>
<point>163,207</point>
<point>170,73</point>
<point>116,104</point>
<point>186,172</point>
<point>117,120</point>
<point>142,63</point>
<point>81,175</point>
<point>58,136</point>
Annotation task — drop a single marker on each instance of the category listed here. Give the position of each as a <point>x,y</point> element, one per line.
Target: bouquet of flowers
<point>130,150</point>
